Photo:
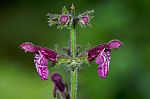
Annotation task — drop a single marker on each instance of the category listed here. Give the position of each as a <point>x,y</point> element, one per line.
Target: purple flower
<point>41,57</point>
<point>58,83</point>
<point>64,19</point>
<point>85,20</point>
<point>102,55</point>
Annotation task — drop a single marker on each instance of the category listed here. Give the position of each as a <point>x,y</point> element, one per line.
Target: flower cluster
<point>66,18</point>
<point>101,53</point>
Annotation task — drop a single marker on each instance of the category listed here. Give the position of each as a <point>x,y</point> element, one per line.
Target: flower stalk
<point>74,80</point>
<point>73,41</point>
<point>74,67</point>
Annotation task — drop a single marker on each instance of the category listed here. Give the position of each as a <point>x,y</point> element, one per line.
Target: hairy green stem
<point>73,41</point>
<point>74,65</point>
<point>74,77</point>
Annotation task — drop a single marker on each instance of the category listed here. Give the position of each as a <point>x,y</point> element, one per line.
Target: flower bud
<point>85,20</point>
<point>64,19</point>
<point>57,80</point>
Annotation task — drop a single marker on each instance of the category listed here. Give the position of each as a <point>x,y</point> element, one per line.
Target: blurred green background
<point>126,20</point>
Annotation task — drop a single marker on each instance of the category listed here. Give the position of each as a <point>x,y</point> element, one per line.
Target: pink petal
<point>114,44</point>
<point>41,64</point>
<point>103,69</point>
<point>100,58</point>
<point>28,47</point>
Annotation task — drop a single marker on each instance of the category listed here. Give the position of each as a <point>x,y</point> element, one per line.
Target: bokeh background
<point>126,20</point>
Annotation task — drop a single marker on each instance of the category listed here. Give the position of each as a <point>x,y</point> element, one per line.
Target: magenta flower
<point>41,57</point>
<point>59,86</point>
<point>102,55</point>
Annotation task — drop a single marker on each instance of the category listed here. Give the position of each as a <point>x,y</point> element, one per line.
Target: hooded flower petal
<point>41,64</point>
<point>28,47</point>
<point>58,84</point>
<point>114,44</point>
<point>93,53</point>
<point>49,54</point>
